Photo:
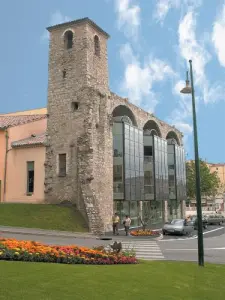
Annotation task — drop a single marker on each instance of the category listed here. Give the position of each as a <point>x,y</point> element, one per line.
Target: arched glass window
<point>97,45</point>
<point>68,39</point>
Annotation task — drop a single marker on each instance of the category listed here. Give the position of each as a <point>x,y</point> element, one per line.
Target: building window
<point>97,45</point>
<point>68,39</point>
<point>148,151</point>
<point>62,165</point>
<point>64,74</point>
<point>75,106</point>
<point>30,177</point>
<point>117,173</point>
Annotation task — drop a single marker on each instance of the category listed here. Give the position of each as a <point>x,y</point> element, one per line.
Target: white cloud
<point>128,17</point>
<point>190,48</point>
<point>56,18</point>
<point>214,93</point>
<point>218,35</point>
<point>163,7</point>
<point>139,80</point>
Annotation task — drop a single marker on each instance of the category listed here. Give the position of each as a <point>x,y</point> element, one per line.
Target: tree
<point>210,182</point>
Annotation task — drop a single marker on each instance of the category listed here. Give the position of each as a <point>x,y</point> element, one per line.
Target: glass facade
<point>161,169</point>
<point>146,173</point>
<point>133,155</point>
<point>177,180</point>
<point>118,162</point>
<point>180,172</point>
<point>149,182</point>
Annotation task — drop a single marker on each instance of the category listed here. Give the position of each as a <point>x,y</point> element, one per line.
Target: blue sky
<point>151,42</point>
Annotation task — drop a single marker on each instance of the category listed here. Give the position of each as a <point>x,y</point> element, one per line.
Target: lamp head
<point>187,89</point>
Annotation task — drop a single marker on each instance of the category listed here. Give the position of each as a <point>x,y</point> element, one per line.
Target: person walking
<point>126,223</point>
<point>115,224</point>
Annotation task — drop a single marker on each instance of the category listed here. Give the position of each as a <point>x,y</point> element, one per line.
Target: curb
<point>45,233</point>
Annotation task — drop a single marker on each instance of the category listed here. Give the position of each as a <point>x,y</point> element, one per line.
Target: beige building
<point>220,170</point>
<point>22,157</point>
<point>212,203</point>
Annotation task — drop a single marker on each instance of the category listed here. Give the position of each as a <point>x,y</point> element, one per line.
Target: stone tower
<point>78,165</point>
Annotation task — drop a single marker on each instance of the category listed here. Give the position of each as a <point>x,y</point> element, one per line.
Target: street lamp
<point>190,90</point>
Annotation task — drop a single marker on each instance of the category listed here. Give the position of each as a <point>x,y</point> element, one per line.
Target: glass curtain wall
<point>146,173</point>
<point>134,174</point>
<point>128,174</point>
<point>177,180</point>
<point>180,176</point>
<point>148,212</point>
<point>161,177</point>
<point>173,205</point>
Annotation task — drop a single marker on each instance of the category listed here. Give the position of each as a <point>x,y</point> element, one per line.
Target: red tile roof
<point>10,121</point>
<point>33,140</point>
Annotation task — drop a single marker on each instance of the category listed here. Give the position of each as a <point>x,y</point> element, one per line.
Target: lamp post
<point>190,90</point>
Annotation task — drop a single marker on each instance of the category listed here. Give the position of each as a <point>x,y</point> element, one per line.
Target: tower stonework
<point>78,165</point>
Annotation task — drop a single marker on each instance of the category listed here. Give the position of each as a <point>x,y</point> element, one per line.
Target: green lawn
<point>53,217</point>
<point>154,281</point>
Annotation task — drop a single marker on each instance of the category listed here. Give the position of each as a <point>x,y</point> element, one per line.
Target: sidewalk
<point>43,232</point>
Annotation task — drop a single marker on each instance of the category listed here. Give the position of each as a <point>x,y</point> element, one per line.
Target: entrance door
<point>174,209</point>
<point>157,211</point>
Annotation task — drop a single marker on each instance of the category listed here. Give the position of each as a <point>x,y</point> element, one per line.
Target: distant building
<point>103,153</point>
<point>213,203</point>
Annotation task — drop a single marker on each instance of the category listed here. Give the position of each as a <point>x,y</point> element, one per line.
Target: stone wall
<point>142,117</point>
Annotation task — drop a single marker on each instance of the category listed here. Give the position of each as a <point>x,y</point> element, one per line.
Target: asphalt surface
<point>169,247</point>
<point>211,231</point>
<point>187,250</point>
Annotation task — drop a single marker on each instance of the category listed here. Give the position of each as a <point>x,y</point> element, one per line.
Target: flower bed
<point>146,232</point>
<point>11,249</point>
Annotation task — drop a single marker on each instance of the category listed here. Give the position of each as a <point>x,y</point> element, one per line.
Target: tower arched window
<point>68,39</point>
<point>97,45</point>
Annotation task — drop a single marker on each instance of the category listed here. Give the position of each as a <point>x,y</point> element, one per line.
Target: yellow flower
<point>16,253</point>
<point>1,252</point>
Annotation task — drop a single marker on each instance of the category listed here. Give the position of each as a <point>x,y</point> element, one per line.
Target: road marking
<point>191,238</point>
<point>206,249</point>
<point>145,249</point>
<point>213,230</point>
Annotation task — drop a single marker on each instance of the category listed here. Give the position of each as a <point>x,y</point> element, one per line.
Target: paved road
<point>187,250</point>
<point>211,231</point>
<point>169,249</point>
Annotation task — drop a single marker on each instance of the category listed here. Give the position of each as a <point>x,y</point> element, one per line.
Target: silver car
<point>215,219</point>
<point>178,226</point>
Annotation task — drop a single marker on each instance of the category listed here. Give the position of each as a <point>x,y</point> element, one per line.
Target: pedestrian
<point>126,223</point>
<point>115,224</point>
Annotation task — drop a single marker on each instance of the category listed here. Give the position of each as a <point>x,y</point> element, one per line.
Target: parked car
<point>215,219</point>
<point>178,226</point>
<point>194,221</point>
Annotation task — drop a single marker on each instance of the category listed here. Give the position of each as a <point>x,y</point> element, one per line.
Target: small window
<point>68,39</point>
<point>97,45</point>
<point>75,106</point>
<point>62,165</point>
<point>64,74</point>
<point>30,177</point>
<point>147,150</point>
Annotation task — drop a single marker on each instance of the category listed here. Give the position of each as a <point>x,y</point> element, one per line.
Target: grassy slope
<point>41,216</point>
<point>154,280</point>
